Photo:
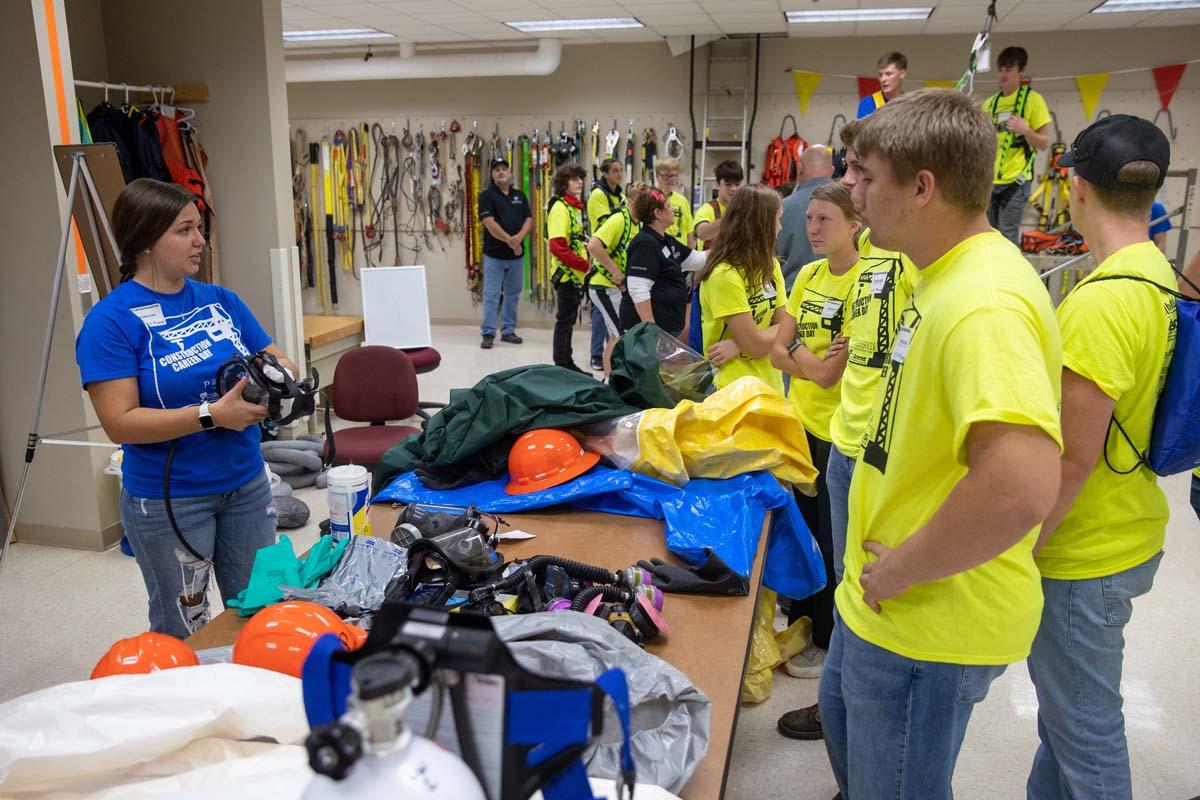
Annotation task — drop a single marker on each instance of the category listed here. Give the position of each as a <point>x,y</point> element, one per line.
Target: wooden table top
<point>710,636</point>
<point>320,330</point>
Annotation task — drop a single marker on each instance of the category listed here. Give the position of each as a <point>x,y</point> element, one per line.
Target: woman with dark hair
<point>566,234</point>
<point>148,356</point>
<point>741,289</point>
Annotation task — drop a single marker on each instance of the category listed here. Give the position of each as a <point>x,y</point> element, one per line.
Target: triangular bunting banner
<point>941,84</point>
<point>867,86</point>
<point>806,83</point>
<point>1167,78</point>
<point>1090,88</point>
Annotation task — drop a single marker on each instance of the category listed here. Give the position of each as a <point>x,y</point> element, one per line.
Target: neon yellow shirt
<point>598,208</point>
<point>1119,335</point>
<point>683,223</point>
<point>884,285</point>
<point>724,293</point>
<point>819,303</point>
<point>705,213</point>
<point>565,221</point>
<point>977,343</point>
<point>1012,159</point>
<point>615,234</point>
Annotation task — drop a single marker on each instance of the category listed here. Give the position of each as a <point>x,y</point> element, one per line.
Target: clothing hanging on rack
<point>85,133</point>
<point>136,153</point>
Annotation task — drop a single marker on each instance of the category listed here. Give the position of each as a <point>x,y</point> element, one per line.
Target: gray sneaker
<point>808,663</point>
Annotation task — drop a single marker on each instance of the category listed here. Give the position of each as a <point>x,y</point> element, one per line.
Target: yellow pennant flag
<point>941,84</point>
<point>806,83</point>
<point>1090,88</point>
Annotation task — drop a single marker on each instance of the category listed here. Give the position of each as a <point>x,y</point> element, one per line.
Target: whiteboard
<point>395,305</point>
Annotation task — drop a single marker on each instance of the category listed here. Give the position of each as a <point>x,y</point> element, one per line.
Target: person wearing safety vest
<point>566,234</point>
<point>666,178</point>
<point>741,290</point>
<point>1022,120</point>
<point>605,199</point>
<point>960,463</point>
<point>708,217</point>
<point>1102,544</point>
<point>608,248</point>
<point>892,67</point>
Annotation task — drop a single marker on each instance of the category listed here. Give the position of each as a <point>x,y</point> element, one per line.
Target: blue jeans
<point>599,333</point>
<point>838,473</point>
<point>893,726</point>
<point>501,276</point>
<point>1076,668</point>
<point>227,528</point>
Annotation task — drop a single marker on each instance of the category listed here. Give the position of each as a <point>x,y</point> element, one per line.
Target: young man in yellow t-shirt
<point>960,463</point>
<point>605,199</point>
<point>1022,123</point>
<point>666,177</point>
<point>1101,545</point>
<point>707,219</point>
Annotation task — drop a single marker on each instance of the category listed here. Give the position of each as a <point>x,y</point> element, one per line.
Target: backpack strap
<point>716,207</point>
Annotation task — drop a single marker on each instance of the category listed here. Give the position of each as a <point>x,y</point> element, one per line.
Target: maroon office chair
<point>424,359</point>
<point>372,384</point>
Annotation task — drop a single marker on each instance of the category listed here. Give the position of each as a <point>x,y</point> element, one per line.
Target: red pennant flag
<point>868,86</point>
<point>1167,79</point>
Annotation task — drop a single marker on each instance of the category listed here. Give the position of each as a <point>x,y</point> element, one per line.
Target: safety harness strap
<point>1010,138</point>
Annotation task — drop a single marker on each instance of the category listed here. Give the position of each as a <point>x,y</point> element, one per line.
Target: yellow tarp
<point>745,426</point>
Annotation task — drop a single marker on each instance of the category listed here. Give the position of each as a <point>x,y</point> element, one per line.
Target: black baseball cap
<point>501,160</point>
<point>1102,148</point>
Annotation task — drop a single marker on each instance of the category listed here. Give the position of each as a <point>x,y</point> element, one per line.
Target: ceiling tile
<point>1088,22</point>
<point>689,28</point>
<point>1168,18</point>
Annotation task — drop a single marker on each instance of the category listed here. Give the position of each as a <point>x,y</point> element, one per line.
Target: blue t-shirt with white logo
<point>173,344</point>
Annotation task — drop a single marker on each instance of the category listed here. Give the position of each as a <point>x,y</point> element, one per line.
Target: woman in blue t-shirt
<point>148,355</point>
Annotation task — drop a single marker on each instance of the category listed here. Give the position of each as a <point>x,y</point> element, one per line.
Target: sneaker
<point>511,338</point>
<point>486,344</point>
<point>803,723</point>
<point>808,663</point>
<point>597,364</point>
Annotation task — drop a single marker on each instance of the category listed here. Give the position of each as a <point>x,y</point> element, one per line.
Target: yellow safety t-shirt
<point>1013,160</point>
<point>705,213</point>
<point>725,293</point>
<point>977,343</point>
<point>885,283</point>
<point>615,234</point>
<point>683,223</point>
<point>565,221</point>
<point>1120,336</point>
<point>819,303</point>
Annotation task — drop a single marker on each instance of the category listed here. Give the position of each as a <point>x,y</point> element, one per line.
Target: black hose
<point>536,565</point>
<point>754,113</point>
<point>611,594</point>
<point>692,114</point>
<point>167,503</point>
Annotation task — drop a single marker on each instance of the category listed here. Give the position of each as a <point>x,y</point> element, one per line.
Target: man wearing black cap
<point>506,219</point>
<point>1101,544</point>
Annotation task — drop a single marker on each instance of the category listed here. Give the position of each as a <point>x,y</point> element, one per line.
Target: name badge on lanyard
<point>900,348</point>
<point>152,315</point>
<point>768,290</point>
<point>878,281</point>
<point>831,308</point>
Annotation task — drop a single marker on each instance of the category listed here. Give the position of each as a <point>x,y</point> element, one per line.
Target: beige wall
<point>66,500</point>
<point>234,47</point>
<point>645,82</point>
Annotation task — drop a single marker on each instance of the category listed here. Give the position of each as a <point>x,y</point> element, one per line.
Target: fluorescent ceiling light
<point>868,14</point>
<point>332,34</point>
<point>1114,6</point>
<point>605,23</point>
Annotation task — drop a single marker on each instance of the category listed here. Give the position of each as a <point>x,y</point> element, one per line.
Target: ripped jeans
<point>227,528</point>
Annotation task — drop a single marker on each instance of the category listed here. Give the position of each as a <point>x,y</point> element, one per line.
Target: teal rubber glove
<point>273,565</point>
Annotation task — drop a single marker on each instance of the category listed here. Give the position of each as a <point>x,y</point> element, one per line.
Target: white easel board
<point>395,304</point>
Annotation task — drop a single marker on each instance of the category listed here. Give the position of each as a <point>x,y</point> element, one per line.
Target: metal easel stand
<point>79,175</point>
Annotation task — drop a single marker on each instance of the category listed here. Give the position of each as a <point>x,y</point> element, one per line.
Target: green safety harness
<point>1010,139</point>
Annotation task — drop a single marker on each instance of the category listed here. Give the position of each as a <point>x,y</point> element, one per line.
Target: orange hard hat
<point>146,652</point>
<point>544,458</point>
<point>279,637</point>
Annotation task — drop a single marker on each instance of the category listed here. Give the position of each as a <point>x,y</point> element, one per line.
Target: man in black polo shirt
<point>506,219</point>
<point>657,290</point>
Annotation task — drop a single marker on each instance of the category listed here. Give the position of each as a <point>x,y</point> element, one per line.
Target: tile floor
<point>85,600</point>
